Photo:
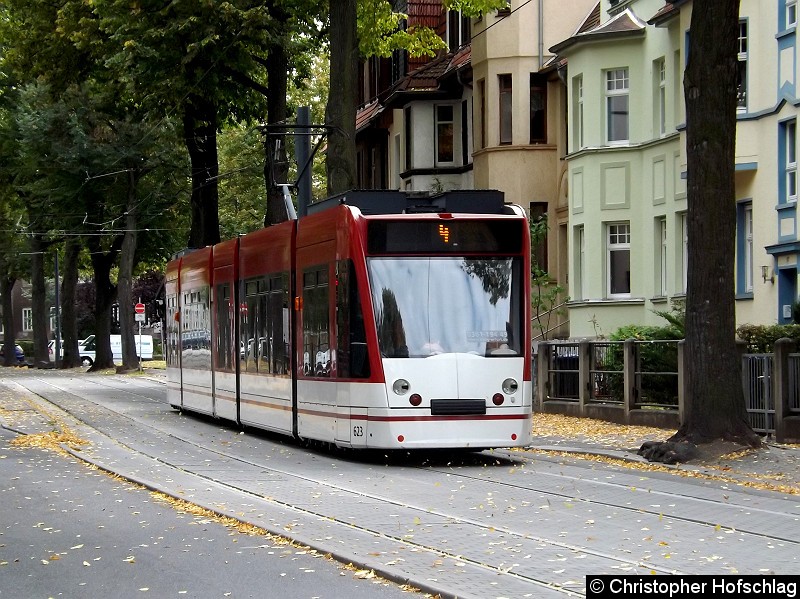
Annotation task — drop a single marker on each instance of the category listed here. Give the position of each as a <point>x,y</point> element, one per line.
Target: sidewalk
<point>774,467</point>
<point>440,535</point>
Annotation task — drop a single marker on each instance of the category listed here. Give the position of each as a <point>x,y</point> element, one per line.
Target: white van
<point>144,343</point>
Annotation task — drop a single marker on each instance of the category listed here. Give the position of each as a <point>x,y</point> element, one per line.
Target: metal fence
<point>794,382</point>
<point>757,370</point>
<point>606,373</point>
<point>640,382</point>
<point>562,372</point>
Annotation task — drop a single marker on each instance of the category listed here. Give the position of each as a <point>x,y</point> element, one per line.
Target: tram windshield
<point>429,306</point>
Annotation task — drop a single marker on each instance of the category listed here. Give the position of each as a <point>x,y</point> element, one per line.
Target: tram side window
<point>351,337</point>
<point>196,329</point>
<point>316,333</point>
<point>275,302</point>
<point>224,328</point>
<point>172,331</point>
<point>250,326</point>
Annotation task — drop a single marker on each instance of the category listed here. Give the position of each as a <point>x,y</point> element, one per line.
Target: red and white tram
<point>381,319</point>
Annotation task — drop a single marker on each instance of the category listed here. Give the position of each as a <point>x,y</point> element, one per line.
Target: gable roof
<point>434,78</point>
<point>667,12</point>
<point>622,25</point>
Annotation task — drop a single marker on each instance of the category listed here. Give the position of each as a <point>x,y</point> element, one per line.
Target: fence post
<point>780,384</point>
<point>584,365</point>
<point>542,374</point>
<point>683,387</point>
<point>629,378</point>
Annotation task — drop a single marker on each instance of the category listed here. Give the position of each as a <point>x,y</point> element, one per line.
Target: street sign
<point>139,308</point>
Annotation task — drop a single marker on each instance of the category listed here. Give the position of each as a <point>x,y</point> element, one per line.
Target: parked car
<point>17,350</point>
<point>87,348</point>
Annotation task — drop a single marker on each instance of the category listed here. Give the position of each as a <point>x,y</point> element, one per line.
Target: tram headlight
<point>401,386</point>
<point>510,386</point>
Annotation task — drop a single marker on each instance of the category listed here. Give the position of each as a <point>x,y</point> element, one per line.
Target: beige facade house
<point>627,164</point>
<point>519,125</point>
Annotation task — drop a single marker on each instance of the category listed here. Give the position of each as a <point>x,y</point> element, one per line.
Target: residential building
<point>627,164</point>
<point>22,309</point>
<point>487,113</point>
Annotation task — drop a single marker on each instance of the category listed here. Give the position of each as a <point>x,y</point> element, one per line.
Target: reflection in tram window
<point>195,325</point>
<point>316,332</point>
<point>265,325</point>
<point>352,360</point>
<point>224,328</point>
<point>391,334</point>
<point>448,305</point>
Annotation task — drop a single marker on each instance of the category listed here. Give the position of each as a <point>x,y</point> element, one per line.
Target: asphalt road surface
<point>484,525</point>
<point>70,531</point>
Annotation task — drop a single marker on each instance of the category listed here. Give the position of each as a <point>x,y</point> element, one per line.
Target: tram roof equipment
<point>381,201</point>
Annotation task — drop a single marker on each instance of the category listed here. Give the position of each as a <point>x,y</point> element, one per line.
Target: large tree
<point>715,401</point>
<point>716,407</point>
<point>362,28</point>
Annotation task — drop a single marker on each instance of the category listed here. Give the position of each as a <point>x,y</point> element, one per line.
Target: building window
<point>619,259</point>
<point>444,134</point>
<point>748,248</point>
<point>790,136</point>
<point>578,115</point>
<point>27,319</point>
<point>482,115</point>
<point>660,95</point>
<point>466,156</point>
<point>409,137</point>
<point>580,262</point>
<point>458,30</point>
<point>791,13</point>
<point>617,105</point>
<point>537,214</point>
<point>741,85</point>
<point>506,109</point>
<point>398,167</point>
<point>663,262</point>
<point>538,109</point>
<point>684,252</point>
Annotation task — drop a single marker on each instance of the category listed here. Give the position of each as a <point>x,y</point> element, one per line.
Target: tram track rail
<point>573,489</point>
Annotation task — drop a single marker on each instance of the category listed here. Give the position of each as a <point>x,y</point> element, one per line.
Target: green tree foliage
<point>362,28</point>
<point>208,62</point>
<point>547,296</point>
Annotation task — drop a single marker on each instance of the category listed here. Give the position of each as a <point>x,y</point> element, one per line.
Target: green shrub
<point>761,339</point>
<point>661,389</point>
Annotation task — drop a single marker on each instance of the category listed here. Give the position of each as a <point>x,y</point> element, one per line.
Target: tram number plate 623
<point>358,431</point>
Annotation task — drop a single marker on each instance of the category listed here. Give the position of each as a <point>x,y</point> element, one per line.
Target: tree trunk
<point>200,132</point>
<point>716,407</point>
<point>276,172</point>
<point>9,340</point>
<point>69,321</point>
<point>105,294</point>
<point>41,359</point>
<point>128,326</point>
<point>340,112</point>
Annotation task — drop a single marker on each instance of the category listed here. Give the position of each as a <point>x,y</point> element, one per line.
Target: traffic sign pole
<point>138,310</point>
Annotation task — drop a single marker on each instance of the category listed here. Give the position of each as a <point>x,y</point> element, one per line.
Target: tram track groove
<point>360,493</point>
<point>511,456</point>
<point>139,420</point>
<point>438,552</point>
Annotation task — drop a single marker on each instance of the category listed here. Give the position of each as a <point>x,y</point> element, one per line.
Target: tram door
<point>225,358</point>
